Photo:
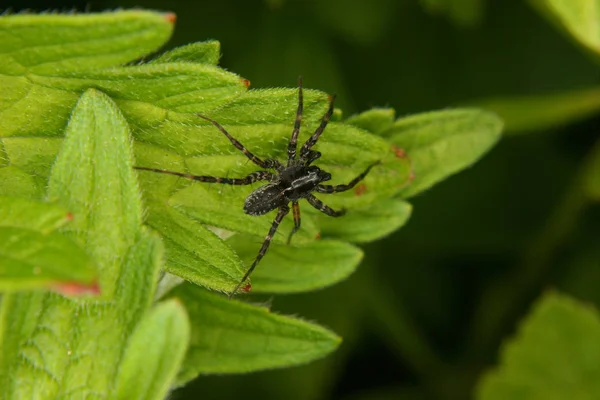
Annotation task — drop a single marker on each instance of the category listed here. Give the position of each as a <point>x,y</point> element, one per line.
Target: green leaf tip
<point>369,223</point>
<point>233,337</point>
<point>555,355</point>
<point>207,52</point>
<point>290,269</point>
<point>34,215</point>
<point>375,120</point>
<point>34,255</point>
<point>580,19</point>
<point>441,143</point>
<point>95,164</point>
<point>158,343</point>
<point>42,44</point>
<point>30,259</point>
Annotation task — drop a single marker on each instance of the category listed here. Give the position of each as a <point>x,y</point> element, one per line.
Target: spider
<point>295,180</point>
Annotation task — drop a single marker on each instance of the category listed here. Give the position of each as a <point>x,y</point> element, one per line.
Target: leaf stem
<point>399,329</point>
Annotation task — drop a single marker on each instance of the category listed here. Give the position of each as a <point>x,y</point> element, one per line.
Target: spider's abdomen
<point>264,199</point>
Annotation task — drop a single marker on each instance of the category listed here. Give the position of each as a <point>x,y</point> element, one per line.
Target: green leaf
<point>367,224</point>
<point>441,143</point>
<point>43,45</point>
<point>536,113</point>
<point>38,105</point>
<point>138,278</point>
<point>32,215</point>
<point>158,345</point>
<point>579,18</point>
<point>195,253</point>
<point>33,156</point>
<point>4,161</point>
<point>233,337</point>
<point>207,52</point>
<point>96,164</point>
<point>152,97</point>
<point>49,343</point>
<point>143,92</point>
<point>375,120</point>
<point>30,259</point>
<point>289,269</point>
<point>32,255</point>
<point>556,355</point>
<point>14,181</point>
<point>49,349</point>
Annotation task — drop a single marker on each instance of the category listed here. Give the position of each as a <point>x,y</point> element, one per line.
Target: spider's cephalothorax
<point>287,183</point>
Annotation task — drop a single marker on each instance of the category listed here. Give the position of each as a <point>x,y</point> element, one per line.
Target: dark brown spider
<point>288,183</point>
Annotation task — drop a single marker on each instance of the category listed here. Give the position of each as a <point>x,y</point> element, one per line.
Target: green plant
<point>74,209</point>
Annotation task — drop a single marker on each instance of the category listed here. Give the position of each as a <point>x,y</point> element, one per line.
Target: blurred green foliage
<point>426,312</point>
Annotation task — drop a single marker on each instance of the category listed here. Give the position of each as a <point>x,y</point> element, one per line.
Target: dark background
<point>427,311</point>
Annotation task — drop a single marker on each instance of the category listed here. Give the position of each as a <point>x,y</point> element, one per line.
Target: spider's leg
<point>311,156</point>
<point>292,145</point>
<point>251,178</point>
<point>238,145</point>
<point>283,210</point>
<point>315,136</point>
<point>343,188</point>
<point>319,205</point>
<point>297,220</point>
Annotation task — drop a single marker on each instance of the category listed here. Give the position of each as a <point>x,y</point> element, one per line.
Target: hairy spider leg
<point>292,145</point>
<point>311,156</point>
<point>319,205</point>
<point>283,210</point>
<point>263,164</point>
<point>297,220</point>
<point>350,185</point>
<point>315,136</point>
<point>251,178</point>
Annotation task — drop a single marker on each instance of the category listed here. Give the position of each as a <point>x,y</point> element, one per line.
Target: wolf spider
<point>295,180</point>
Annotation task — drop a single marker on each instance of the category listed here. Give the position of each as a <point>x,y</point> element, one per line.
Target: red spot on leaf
<point>246,82</point>
<point>246,288</point>
<point>77,288</point>
<point>69,217</point>
<point>170,17</point>
<point>400,153</point>
<point>360,189</point>
<point>318,235</point>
